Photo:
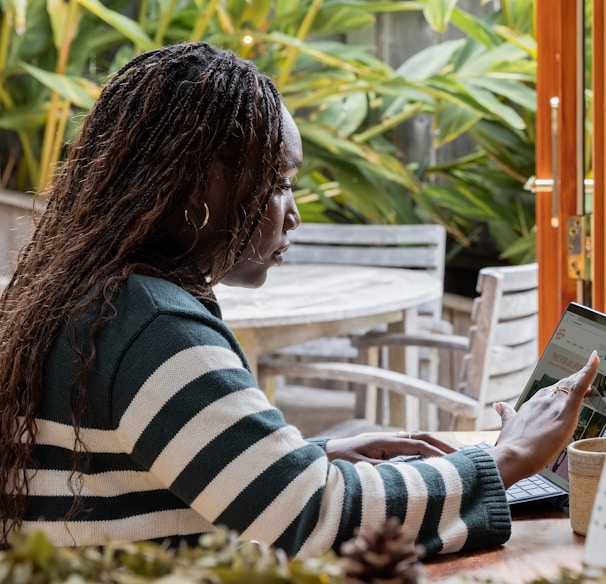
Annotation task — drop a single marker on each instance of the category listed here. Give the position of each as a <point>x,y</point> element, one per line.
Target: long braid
<point>163,114</point>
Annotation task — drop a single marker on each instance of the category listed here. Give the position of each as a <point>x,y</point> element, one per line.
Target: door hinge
<point>579,247</point>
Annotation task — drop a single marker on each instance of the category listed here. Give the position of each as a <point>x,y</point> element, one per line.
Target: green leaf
<point>58,13</point>
<point>429,61</point>
<point>324,140</point>
<point>522,250</point>
<point>78,90</point>
<point>478,100</point>
<point>320,56</point>
<point>524,42</point>
<point>126,26</point>
<point>464,201</point>
<point>452,121</point>
<point>437,13</point>
<point>474,28</point>
<point>488,60</point>
<point>346,115</point>
<point>517,92</point>
<point>24,118</point>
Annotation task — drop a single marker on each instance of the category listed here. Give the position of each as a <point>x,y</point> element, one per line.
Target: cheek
<point>273,219</point>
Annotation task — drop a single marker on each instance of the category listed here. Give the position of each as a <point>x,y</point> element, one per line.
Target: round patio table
<point>302,302</point>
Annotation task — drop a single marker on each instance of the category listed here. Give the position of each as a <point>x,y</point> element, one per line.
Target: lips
<point>279,254</point>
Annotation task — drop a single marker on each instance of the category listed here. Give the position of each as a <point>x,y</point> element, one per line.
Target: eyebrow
<point>293,163</point>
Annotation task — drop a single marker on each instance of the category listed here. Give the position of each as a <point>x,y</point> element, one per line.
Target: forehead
<point>291,142</point>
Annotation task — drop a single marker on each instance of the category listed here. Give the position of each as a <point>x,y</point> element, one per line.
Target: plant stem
<point>199,29</point>
<point>51,134</point>
<point>142,14</point>
<point>164,22</point>
<point>58,142</point>
<point>5,33</point>
<point>303,31</point>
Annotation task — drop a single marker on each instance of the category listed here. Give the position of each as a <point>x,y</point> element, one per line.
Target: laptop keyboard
<point>535,487</point>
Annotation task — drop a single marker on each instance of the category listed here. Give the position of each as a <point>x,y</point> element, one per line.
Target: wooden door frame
<point>599,164</point>
<point>557,22</point>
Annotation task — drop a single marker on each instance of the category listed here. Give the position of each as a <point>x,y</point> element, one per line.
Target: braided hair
<point>144,150</point>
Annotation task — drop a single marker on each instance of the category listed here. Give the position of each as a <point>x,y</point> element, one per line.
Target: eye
<point>285,184</point>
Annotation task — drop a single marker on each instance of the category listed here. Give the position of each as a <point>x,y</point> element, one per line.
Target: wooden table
<point>542,542</point>
<point>301,302</point>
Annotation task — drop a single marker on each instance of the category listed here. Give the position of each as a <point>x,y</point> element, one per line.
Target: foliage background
<point>348,102</point>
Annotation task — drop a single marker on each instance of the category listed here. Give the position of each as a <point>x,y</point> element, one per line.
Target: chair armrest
<point>377,339</point>
<point>399,383</point>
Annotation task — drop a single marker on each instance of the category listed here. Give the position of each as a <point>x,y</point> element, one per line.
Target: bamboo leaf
<point>429,61</point>
<point>58,12</point>
<point>337,148</point>
<point>463,201</point>
<point>516,92</point>
<point>494,107</point>
<point>320,56</point>
<point>255,13</point>
<point>126,26</point>
<point>477,100</point>
<point>346,115</point>
<point>451,122</point>
<point>474,28</point>
<point>438,12</point>
<point>488,60</point>
<point>78,90</point>
<point>523,41</point>
<point>24,118</point>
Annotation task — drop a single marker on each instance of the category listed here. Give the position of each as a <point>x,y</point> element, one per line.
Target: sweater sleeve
<point>188,411</point>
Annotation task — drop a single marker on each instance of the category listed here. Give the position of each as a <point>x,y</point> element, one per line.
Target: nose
<point>292,219</point>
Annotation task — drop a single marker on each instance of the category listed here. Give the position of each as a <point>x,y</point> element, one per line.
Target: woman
<point>128,409</point>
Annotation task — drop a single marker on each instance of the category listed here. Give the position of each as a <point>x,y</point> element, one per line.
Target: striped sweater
<point>180,438</point>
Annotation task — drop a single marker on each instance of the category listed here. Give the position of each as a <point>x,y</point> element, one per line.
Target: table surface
<point>304,302</point>
<point>542,542</point>
<point>309,293</point>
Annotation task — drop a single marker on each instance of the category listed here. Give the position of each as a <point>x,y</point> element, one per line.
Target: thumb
<point>505,411</point>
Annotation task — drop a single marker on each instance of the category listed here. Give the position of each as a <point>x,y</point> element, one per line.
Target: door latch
<point>578,236</point>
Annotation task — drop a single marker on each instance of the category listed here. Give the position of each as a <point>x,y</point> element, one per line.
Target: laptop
<point>580,330</point>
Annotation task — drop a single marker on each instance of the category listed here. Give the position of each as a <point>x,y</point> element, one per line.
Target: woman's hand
<point>542,427</point>
<point>381,447</point>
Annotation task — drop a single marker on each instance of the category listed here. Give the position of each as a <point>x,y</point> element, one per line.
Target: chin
<point>246,280</point>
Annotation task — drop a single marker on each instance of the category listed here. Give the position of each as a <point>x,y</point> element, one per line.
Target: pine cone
<point>384,556</point>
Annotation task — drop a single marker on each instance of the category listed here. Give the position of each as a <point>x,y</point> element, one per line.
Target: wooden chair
<point>501,348</point>
<point>418,247</point>
<point>500,352</point>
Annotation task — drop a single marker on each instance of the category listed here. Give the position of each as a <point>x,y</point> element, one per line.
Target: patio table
<point>302,302</point>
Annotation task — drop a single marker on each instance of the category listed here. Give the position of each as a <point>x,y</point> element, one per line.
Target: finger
<point>439,444</point>
<point>429,439</point>
<point>505,411</point>
<point>578,384</point>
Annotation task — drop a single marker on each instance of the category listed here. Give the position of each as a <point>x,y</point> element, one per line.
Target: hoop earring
<point>204,223</point>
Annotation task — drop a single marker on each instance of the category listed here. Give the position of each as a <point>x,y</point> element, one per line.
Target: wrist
<point>508,464</point>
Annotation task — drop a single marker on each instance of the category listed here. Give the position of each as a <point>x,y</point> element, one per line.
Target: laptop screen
<point>580,330</point>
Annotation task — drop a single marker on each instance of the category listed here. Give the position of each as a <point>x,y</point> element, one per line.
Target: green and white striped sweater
<point>180,438</point>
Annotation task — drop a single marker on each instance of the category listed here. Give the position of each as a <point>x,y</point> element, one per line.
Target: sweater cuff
<point>492,517</point>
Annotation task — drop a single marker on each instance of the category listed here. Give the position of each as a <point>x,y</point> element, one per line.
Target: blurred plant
<point>55,55</point>
<point>219,558</point>
<point>482,87</point>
